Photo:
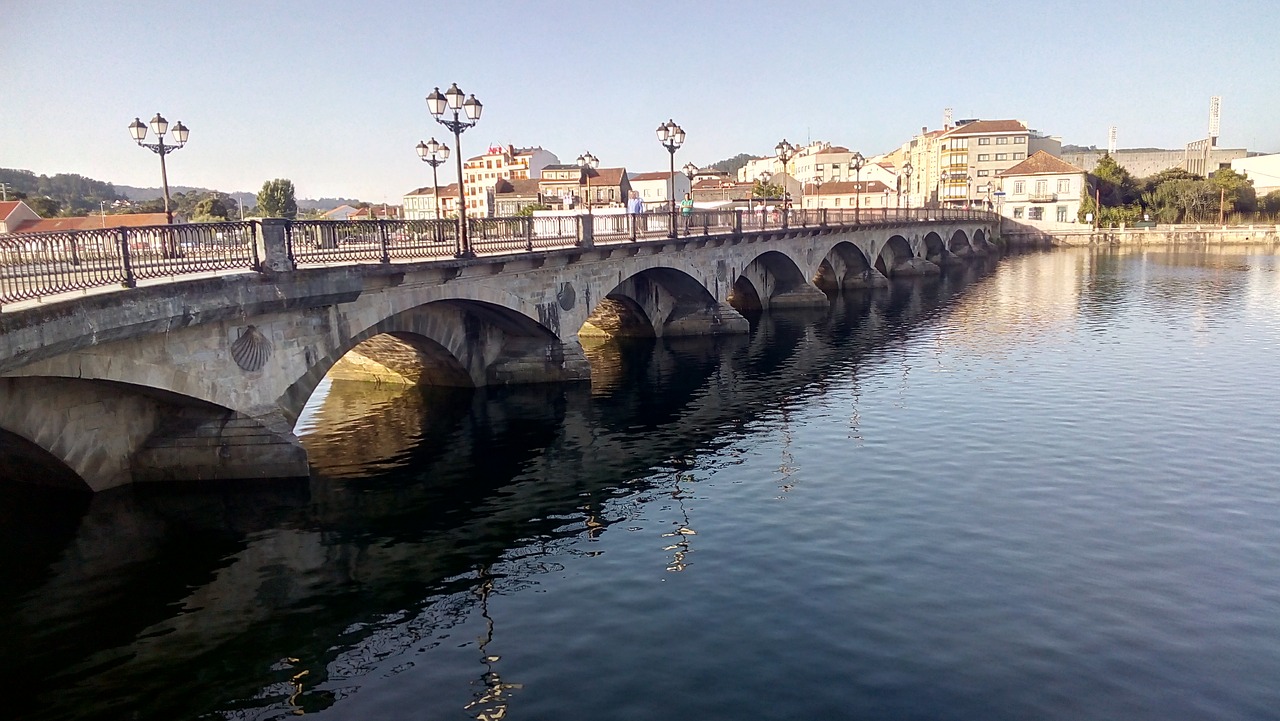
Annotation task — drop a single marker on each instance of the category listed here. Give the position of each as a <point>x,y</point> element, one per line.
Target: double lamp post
<point>160,126</point>
<point>452,100</point>
<point>671,136</point>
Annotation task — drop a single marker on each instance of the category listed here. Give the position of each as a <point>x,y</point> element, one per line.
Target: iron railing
<point>37,265</point>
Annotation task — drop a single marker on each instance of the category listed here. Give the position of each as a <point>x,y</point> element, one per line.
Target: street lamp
<point>817,185</point>
<point>671,136</point>
<point>588,163</point>
<point>160,126</point>
<point>907,170</point>
<point>453,100</point>
<point>857,161</point>
<point>434,154</point>
<point>785,152</point>
<point>690,170</point>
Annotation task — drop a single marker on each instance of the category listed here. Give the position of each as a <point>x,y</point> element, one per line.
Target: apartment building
<point>1042,191</point>
<point>974,152</point>
<point>500,162</point>
<point>652,187</point>
<point>420,204</point>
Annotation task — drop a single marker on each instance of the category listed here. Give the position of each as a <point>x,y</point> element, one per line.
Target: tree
<point>1236,190</point>
<point>277,200</point>
<point>1270,203</point>
<point>731,165</point>
<point>1114,184</point>
<point>528,209</point>
<point>211,208</point>
<point>762,189</point>
<point>44,206</point>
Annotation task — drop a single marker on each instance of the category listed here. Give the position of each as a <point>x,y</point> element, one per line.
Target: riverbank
<point>1024,237</point>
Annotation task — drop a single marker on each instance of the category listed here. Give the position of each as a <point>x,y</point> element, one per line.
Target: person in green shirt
<point>686,211</point>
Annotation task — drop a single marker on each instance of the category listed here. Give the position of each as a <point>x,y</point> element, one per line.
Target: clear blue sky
<point>331,94</point>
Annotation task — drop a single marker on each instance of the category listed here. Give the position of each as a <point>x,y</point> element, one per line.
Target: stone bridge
<point>205,378</point>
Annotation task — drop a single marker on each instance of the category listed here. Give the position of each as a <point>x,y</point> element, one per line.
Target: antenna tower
<point>946,118</point>
<point>1111,141</point>
<point>1215,118</point>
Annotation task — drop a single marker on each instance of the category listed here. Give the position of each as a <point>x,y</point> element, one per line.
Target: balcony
<point>1043,197</point>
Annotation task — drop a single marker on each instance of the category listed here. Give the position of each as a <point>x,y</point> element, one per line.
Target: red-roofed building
<point>376,212</point>
<point>849,194</point>
<point>14,213</point>
<point>420,203</point>
<point>1042,191</point>
<point>92,222</point>
<point>652,187</point>
<point>567,186</point>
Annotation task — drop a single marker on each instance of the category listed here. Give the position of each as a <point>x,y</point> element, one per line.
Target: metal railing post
<point>129,280</point>
<point>528,233</point>
<point>382,240</point>
<point>737,222</point>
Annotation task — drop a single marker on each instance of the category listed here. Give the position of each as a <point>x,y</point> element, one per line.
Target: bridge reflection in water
<point>175,602</point>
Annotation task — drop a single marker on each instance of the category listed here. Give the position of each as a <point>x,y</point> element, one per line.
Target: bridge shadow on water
<point>178,601</point>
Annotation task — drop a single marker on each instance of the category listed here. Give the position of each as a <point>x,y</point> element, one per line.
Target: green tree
<point>44,206</point>
<point>1115,185</point>
<point>731,165</point>
<point>210,208</point>
<point>277,199</point>
<point>528,209</point>
<point>762,189</point>
<point>1270,203</point>
<point>1237,190</point>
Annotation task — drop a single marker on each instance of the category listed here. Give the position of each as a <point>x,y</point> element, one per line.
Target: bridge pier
<point>714,319</point>
<point>912,267</point>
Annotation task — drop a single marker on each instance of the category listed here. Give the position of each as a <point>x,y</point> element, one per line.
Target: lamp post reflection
<point>491,701</point>
<point>683,532</point>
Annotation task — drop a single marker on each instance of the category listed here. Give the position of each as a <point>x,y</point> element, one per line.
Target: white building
<point>1042,192</point>
<point>500,162</point>
<point>420,203</point>
<point>1263,170</point>
<point>652,187</point>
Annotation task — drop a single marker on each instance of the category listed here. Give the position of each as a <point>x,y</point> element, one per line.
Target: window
<point>1062,213</point>
<point>1042,187</point>
<point>1017,156</point>
<point>983,157</point>
<point>1020,140</point>
<point>819,167</point>
<point>835,167</point>
<point>488,163</point>
<point>1036,213</point>
<point>1002,141</point>
<point>1064,185</point>
<point>837,202</point>
<point>1002,156</point>
<point>1017,212</point>
<point>984,173</point>
<point>1019,187</point>
<point>984,141</point>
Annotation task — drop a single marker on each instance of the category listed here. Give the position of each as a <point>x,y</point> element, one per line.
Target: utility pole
<point>1222,206</point>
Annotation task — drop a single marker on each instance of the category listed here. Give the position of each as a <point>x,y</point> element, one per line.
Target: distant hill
<point>249,199</point>
<point>731,165</point>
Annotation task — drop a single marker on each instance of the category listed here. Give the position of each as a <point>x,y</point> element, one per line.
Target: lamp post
<point>160,126</point>
<point>886,203</point>
<point>907,170</point>
<point>434,154</point>
<point>453,100</point>
<point>671,136</point>
<point>817,191</point>
<point>857,161</point>
<point>588,163</point>
<point>786,151</point>
<point>690,170</point>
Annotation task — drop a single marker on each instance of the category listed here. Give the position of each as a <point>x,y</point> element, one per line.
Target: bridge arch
<point>894,256</point>
<point>846,266</point>
<point>935,250</point>
<point>453,342</point>
<point>958,243</point>
<point>771,280</point>
<point>661,301</point>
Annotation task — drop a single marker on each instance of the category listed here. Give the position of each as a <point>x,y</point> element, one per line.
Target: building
<point>652,187</point>
<point>14,213</point>
<point>420,204</point>
<point>1197,157</point>
<point>719,191</point>
<point>93,222</point>
<point>342,212</point>
<point>974,152</point>
<point>568,186</point>
<point>1263,170</point>
<point>377,212</point>
<point>512,196</point>
<point>1042,192</point>
<point>846,194</point>
<point>500,162</point>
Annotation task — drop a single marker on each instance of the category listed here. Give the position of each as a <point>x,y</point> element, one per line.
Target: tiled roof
<point>980,127</point>
<point>716,183</point>
<point>608,176</point>
<point>517,186</point>
<point>8,207</point>
<point>1042,163</point>
<point>846,188</point>
<point>651,176</point>
<point>92,222</point>
<point>450,189</point>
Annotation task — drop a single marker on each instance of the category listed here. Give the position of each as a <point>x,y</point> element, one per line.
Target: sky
<point>331,94</point>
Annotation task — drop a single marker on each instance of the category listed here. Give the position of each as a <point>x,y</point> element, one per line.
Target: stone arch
<point>663,301</point>
<point>935,250</point>
<point>847,266</point>
<point>109,433</point>
<point>453,342</point>
<point>20,457</point>
<point>773,280</point>
<point>958,243</point>
<point>893,256</point>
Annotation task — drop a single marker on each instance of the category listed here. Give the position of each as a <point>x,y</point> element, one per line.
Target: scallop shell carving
<point>251,350</point>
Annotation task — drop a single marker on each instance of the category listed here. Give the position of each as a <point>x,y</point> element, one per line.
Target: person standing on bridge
<point>635,206</point>
<point>686,211</point>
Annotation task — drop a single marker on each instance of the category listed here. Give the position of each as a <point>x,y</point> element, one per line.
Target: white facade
<point>500,163</point>
<point>1263,170</point>
<point>1043,193</point>
<point>652,187</point>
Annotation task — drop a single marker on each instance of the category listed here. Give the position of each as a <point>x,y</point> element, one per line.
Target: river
<point>1039,487</point>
